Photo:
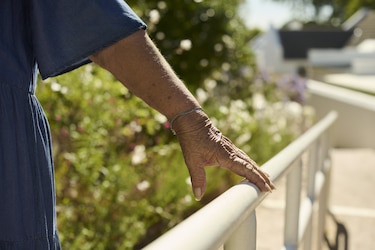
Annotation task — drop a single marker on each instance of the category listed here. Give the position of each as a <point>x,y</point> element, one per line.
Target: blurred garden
<point>120,176</point>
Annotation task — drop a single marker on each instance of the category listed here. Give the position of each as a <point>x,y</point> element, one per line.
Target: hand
<point>204,145</point>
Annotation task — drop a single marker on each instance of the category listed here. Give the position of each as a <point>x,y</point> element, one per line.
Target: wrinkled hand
<point>204,145</point>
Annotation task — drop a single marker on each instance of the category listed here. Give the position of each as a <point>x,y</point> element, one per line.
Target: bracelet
<point>182,114</point>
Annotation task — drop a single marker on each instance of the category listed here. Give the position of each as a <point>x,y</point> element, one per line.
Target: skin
<point>138,65</point>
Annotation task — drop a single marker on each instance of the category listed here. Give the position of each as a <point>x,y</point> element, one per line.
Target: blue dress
<point>50,37</point>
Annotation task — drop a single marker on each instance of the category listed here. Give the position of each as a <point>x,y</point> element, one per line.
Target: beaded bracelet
<point>182,114</point>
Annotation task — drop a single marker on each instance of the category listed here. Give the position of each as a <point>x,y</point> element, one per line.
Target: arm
<point>136,62</point>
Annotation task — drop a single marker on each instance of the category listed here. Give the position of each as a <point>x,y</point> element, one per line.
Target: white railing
<point>356,111</point>
<point>229,221</point>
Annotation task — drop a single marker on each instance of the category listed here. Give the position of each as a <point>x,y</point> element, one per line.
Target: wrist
<point>190,120</point>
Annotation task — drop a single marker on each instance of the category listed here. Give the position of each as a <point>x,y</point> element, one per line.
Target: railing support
<point>292,209</point>
<point>323,203</point>
<point>244,238</point>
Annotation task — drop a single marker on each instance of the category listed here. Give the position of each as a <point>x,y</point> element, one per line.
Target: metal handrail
<point>229,221</point>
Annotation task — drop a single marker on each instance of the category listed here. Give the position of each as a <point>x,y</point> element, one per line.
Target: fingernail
<point>198,194</point>
<point>269,188</point>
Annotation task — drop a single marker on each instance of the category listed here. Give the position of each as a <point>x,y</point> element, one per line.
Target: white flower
<point>160,118</point>
<point>139,154</point>
<point>55,87</point>
<point>188,181</point>
<point>135,127</point>
<point>202,95</point>
<point>259,101</point>
<point>185,44</point>
<point>143,186</point>
<point>154,16</point>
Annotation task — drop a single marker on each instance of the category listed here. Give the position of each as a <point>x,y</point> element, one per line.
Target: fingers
<point>261,179</point>
<point>251,173</point>
<point>234,159</point>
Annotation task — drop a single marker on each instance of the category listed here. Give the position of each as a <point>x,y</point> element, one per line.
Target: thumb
<point>198,181</point>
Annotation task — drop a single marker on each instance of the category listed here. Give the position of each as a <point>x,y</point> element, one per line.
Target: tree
<point>201,39</point>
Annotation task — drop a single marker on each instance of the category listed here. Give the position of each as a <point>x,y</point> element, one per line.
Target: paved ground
<point>352,201</point>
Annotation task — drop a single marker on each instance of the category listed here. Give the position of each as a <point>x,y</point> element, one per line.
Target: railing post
<point>324,195</point>
<point>292,206</point>
<point>312,168</point>
<point>244,238</point>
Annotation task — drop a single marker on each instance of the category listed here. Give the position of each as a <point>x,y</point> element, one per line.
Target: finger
<point>198,181</point>
<point>268,183</point>
<point>267,178</point>
<point>252,174</point>
<point>229,156</point>
<point>248,170</point>
<point>246,158</point>
<point>239,153</point>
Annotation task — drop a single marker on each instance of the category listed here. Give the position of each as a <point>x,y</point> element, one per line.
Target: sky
<point>262,13</point>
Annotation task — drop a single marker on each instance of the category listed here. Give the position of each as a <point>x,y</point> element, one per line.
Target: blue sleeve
<point>66,32</point>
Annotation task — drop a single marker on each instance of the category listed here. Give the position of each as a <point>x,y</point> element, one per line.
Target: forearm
<point>137,63</point>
